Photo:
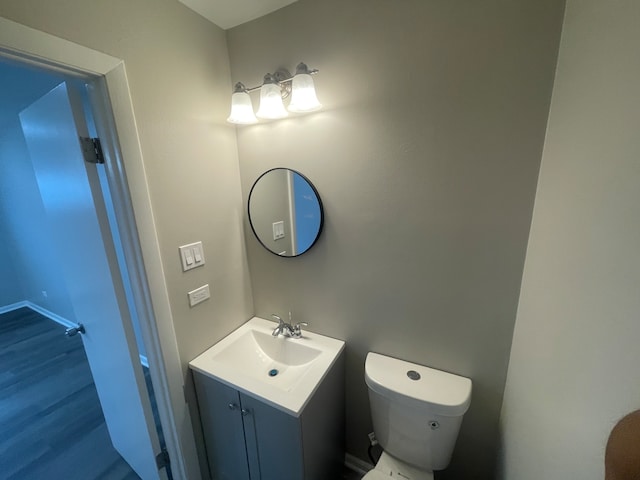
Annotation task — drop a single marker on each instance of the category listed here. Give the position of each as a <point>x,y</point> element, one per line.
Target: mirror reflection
<point>285,212</point>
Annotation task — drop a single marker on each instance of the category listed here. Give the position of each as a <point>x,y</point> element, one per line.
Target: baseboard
<point>42,311</point>
<point>357,465</point>
<point>12,307</point>
<point>51,316</point>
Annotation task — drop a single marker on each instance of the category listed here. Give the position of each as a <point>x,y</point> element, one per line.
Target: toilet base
<point>391,467</point>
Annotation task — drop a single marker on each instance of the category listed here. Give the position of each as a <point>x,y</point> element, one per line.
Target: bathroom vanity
<point>272,407</point>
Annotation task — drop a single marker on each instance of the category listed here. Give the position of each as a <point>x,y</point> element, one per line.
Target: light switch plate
<point>191,255</point>
<point>198,295</point>
<point>278,230</point>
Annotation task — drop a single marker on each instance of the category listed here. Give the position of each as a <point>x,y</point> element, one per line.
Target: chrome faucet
<point>286,329</point>
<point>283,328</point>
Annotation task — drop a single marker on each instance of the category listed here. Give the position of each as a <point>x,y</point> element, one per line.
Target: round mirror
<point>285,212</point>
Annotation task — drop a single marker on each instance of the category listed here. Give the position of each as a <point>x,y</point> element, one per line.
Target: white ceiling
<point>229,13</point>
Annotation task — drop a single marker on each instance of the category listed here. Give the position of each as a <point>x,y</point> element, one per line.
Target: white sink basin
<point>282,371</point>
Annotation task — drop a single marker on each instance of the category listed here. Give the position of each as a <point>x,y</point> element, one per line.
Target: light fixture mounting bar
<point>280,79</point>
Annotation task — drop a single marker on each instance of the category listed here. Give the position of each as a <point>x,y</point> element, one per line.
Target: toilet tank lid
<point>447,394</point>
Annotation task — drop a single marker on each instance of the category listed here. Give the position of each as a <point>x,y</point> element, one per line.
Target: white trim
<point>48,51</point>
<point>41,310</point>
<point>292,214</point>
<point>50,315</point>
<point>13,306</point>
<point>357,465</point>
<point>152,298</point>
<point>26,43</point>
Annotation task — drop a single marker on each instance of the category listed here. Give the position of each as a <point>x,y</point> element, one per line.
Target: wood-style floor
<point>51,423</point>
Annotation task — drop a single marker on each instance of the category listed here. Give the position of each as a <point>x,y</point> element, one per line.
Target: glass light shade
<point>303,94</point>
<point>241,109</point>
<point>271,105</point>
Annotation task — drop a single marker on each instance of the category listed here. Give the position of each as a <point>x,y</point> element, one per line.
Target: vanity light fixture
<point>275,88</point>
<point>303,92</point>
<point>241,107</point>
<point>271,105</point>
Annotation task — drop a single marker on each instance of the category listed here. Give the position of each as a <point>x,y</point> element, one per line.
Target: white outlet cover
<point>199,295</point>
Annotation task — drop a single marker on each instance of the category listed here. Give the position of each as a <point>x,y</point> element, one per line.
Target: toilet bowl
<point>416,412</point>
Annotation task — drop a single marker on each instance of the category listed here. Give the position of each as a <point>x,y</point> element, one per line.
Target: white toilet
<point>417,412</point>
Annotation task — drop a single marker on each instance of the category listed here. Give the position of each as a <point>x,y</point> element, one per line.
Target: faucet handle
<point>279,329</point>
<point>297,330</point>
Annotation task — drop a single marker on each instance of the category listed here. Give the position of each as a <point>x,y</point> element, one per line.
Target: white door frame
<point>47,51</point>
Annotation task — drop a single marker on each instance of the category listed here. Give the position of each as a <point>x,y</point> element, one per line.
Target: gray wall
<point>426,157</point>
<point>30,267</point>
<point>574,362</point>
<point>178,71</point>
<point>10,291</point>
<point>26,231</point>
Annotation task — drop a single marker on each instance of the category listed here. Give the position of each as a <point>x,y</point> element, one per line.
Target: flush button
<point>413,375</point>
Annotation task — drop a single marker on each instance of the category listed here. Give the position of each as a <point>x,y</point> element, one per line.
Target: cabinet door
<point>274,442</point>
<point>220,412</point>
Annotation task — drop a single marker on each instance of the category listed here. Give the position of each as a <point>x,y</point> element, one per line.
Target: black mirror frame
<point>315,191</point>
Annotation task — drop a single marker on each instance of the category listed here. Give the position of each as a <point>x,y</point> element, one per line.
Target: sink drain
<point>273,372</point>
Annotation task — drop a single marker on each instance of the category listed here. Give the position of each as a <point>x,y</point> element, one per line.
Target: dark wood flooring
<point>51,423</point>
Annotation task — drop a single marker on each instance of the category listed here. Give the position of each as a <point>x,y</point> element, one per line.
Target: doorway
<point>140,240</point>
<point>61,263</point>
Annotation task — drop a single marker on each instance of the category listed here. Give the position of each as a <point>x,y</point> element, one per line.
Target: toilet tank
<point>416,410</point>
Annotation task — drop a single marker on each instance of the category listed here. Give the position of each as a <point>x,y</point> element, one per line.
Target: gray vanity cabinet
<point>248,439</point>
<point>274,441</point>
<point>219,406</point>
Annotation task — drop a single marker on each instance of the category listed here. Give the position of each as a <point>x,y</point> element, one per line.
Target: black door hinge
<point>162,459</point>
<point>92,150</point>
